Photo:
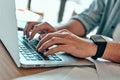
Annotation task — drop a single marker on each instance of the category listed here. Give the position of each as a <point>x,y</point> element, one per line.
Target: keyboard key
<point>30,53</point>
<point>38,57</point>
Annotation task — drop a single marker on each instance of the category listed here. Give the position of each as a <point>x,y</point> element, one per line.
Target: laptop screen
<point>8,28</point>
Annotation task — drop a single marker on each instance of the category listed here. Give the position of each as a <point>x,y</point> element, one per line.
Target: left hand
<point>66,41</point>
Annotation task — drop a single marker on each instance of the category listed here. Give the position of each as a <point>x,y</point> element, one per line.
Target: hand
<point>35,27</point>
<point>66,41</point>
<point>29,26</point>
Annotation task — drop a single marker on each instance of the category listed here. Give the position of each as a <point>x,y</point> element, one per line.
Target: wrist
<point>93,48</point>
<point>101,45</point>
<point>90,48</point>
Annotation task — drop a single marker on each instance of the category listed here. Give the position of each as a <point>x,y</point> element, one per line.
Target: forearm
<point>74,26</point>
<point>112,52</point>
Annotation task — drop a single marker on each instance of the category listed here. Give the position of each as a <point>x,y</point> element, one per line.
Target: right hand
<point>35,27</point>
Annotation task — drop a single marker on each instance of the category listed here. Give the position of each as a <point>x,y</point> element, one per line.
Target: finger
<point>51,42</point>
<point>41,36</point>
<point>59,33</point>
<point>59,48</point>
<point>40,27</point>
<point>29,26</point>
<point>48,37</point>
<point>27,29</point>
<point>63,31</point>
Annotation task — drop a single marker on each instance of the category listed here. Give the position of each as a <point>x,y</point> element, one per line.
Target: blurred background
<point>54,11</point>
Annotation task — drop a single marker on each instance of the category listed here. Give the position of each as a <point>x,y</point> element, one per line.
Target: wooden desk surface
<point>8,69</point>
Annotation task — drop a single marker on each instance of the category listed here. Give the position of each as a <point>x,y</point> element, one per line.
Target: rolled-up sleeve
<point>91,17</point>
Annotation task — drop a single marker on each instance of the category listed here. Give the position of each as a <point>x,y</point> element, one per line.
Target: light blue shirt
<point>102,13</point>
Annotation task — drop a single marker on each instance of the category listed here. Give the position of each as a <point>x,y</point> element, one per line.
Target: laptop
<point>23,51</point>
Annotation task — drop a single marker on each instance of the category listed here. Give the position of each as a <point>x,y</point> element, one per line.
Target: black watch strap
<point>101,43</point>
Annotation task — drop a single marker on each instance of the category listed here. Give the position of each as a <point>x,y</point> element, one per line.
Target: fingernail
<point>39,50</point>
<point>36,47</point>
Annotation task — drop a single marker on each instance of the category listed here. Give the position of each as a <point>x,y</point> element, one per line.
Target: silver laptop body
<point>9,37</point>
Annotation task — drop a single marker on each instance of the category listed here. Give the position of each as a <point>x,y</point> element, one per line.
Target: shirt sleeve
<point>91,17</point>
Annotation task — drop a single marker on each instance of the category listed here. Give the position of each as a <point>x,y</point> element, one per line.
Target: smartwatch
<point>101,45</point>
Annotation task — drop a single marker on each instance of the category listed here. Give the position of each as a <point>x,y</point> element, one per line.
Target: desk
<point>8,69</point>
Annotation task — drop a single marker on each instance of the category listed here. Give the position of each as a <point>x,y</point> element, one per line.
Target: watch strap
<point>101,45</point>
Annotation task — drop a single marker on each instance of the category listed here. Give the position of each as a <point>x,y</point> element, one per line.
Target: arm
<point>74,26</point>
<point>83,23</point>
<point>112,52</point>
<point>109,51</point>
<point>92,16</point>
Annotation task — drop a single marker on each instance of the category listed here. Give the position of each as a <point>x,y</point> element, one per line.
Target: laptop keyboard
<point>29,52</point>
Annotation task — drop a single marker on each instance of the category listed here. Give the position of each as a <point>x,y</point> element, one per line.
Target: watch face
<point>98,38</point>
